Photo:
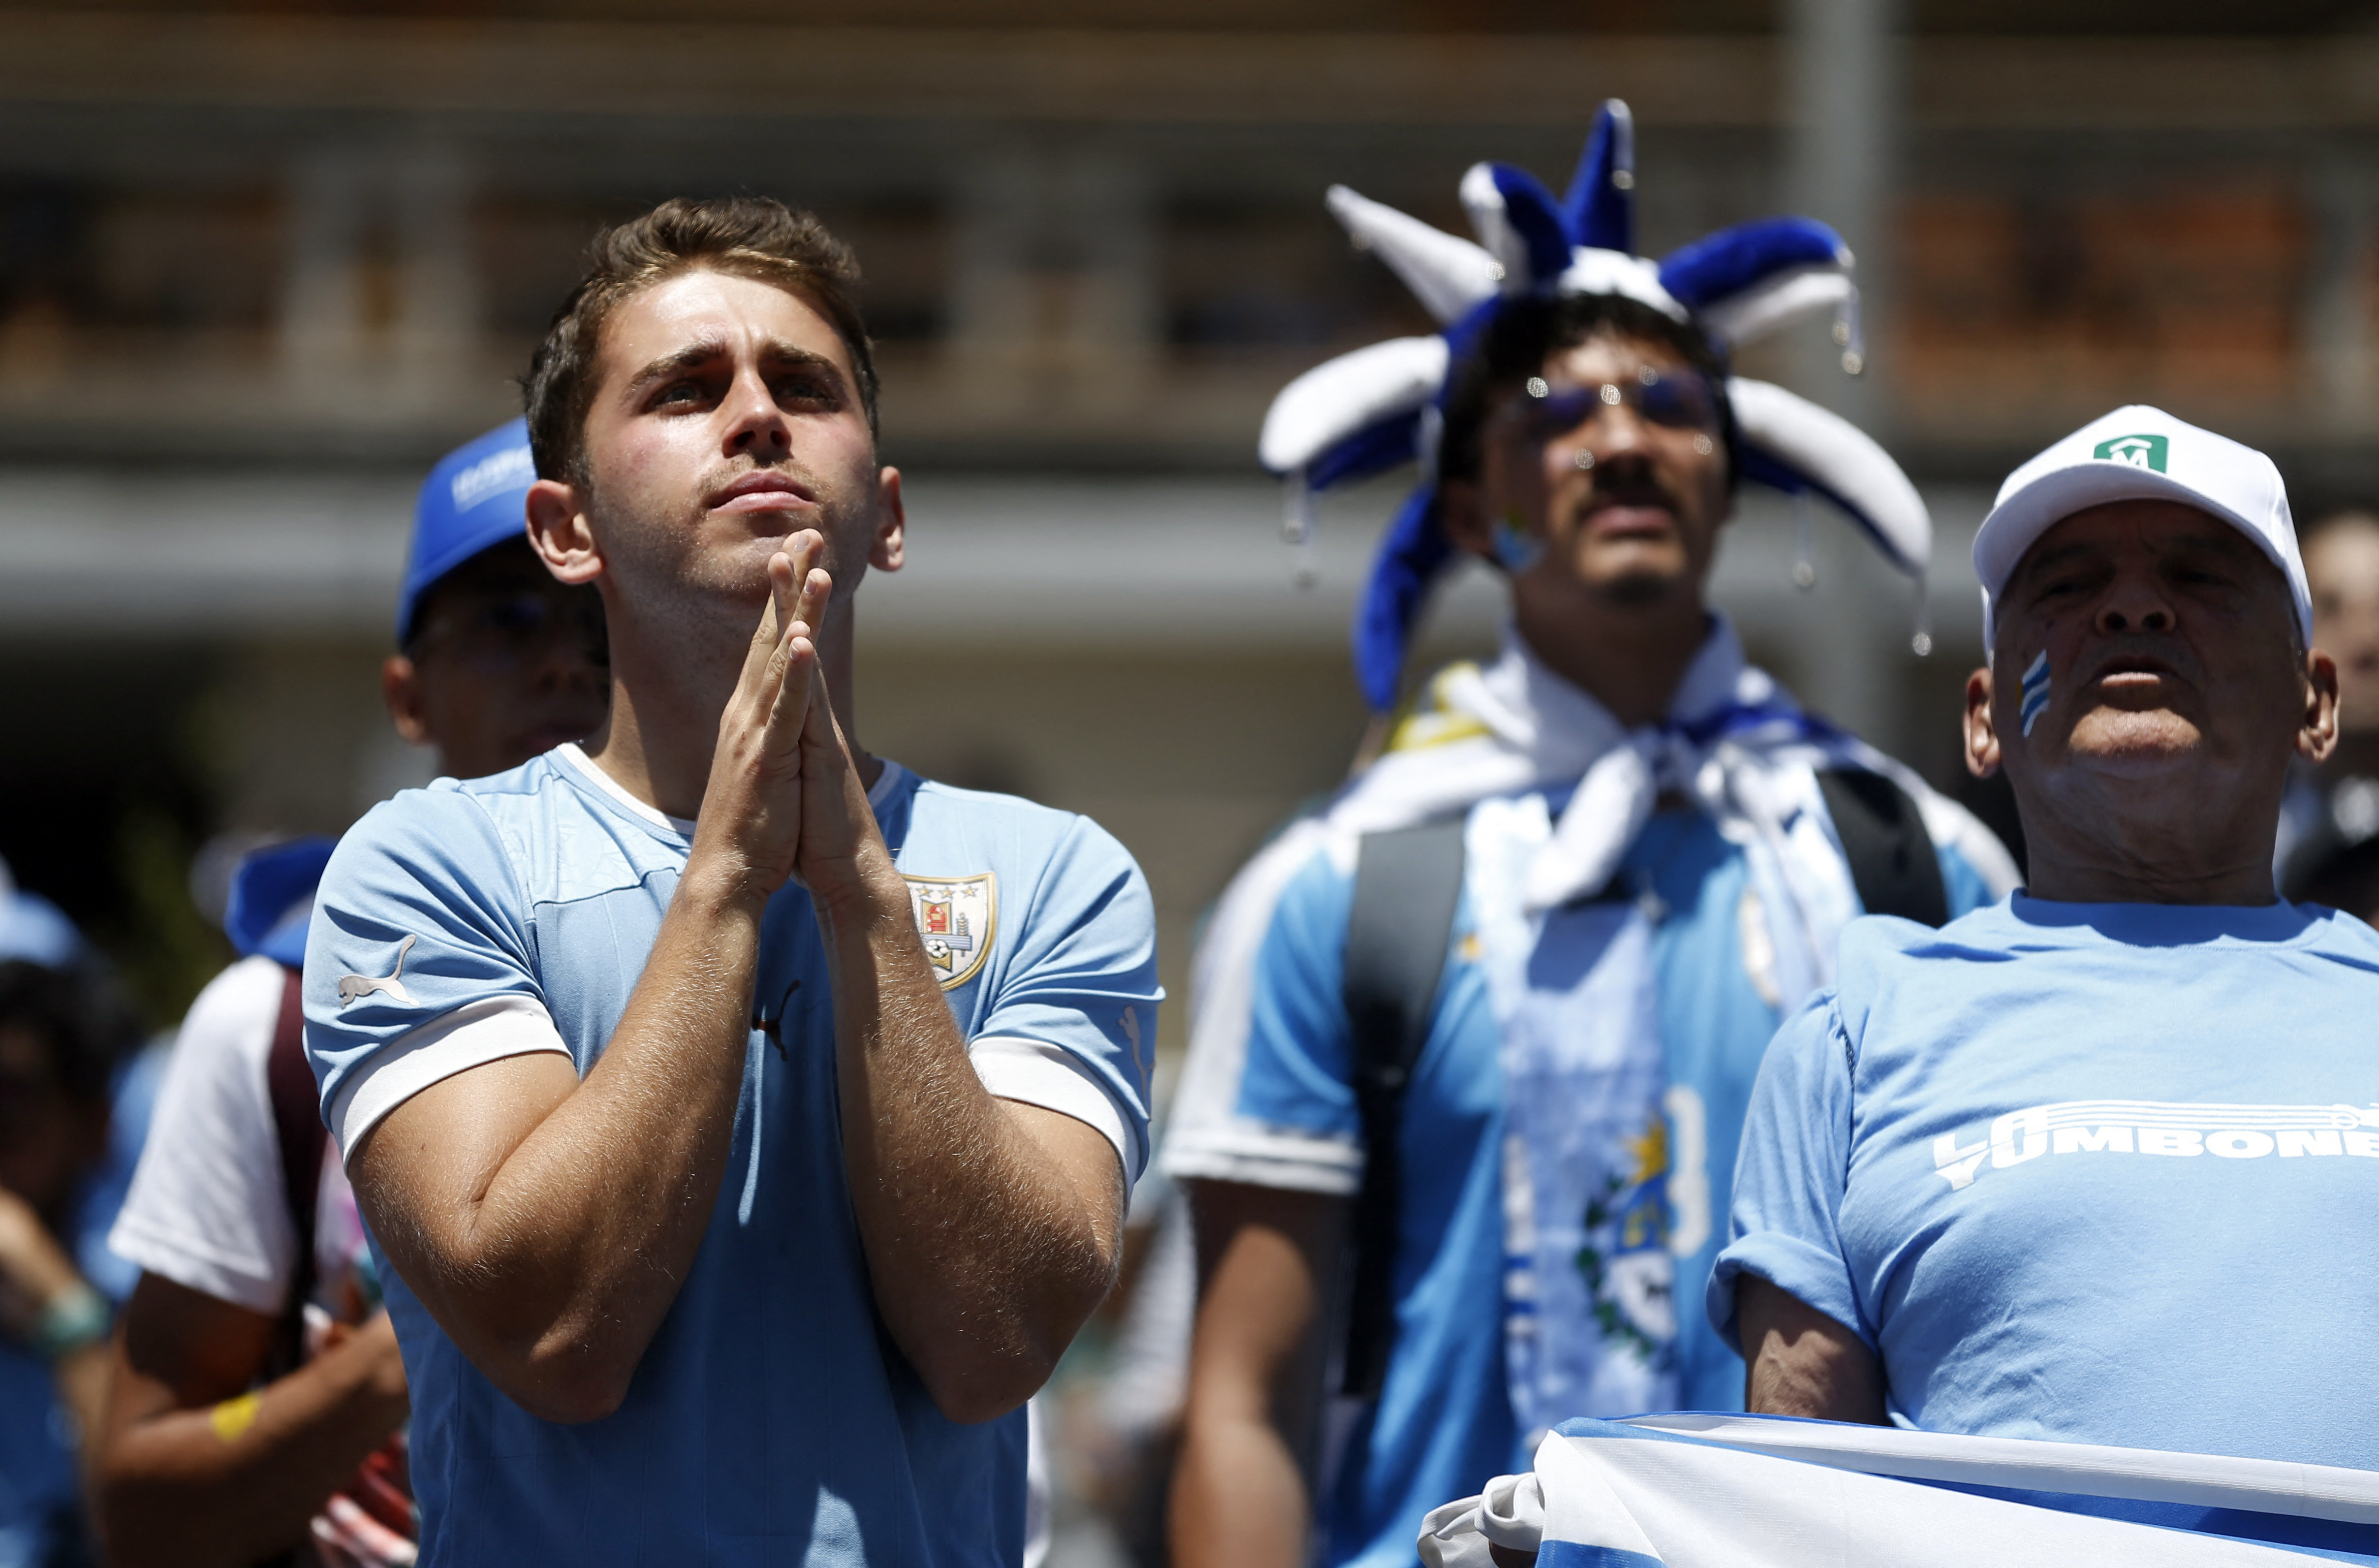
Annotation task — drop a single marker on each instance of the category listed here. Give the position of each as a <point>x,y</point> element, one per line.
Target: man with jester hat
<point>1473,1044</point>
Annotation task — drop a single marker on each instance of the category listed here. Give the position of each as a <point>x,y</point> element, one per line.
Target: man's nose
<point>2135,603</point>
<point>756,426</point>
<point>1613,433</point>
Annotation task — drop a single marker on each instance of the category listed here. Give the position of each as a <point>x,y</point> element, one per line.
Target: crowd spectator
<point>2086,1165</point>
<point>743,1123</point>
<point>258,1381</point>
<point>1485,1027</point>
<point>75,1088</point>
<point>2333,809</point>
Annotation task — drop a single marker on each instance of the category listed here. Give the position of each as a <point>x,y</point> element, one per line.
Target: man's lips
<point>762,490</point>
<point>1630,519</point>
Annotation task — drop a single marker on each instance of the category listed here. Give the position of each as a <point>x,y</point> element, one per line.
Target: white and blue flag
<point>1769,1491</point>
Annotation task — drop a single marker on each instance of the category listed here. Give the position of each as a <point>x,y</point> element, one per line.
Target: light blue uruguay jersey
<point>1443,1424</point>
<point>771,1420</point>
<point>2093,1173</point>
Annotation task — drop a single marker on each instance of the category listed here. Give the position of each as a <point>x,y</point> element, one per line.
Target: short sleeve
<point>1276,1106</point>
<point>1073,1024</point>
<point>208,1209</point>
<point>421,961</point>
<point>1790,1176</point>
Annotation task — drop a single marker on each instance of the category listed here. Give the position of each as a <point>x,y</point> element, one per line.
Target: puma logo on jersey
<point>352,986</point>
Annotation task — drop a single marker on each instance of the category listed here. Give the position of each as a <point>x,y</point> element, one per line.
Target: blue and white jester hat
<point>1368,411</point>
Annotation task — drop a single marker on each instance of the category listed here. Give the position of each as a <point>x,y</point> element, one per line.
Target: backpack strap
<point>1407,884</point>
<point>297,1124</point>
<point>1891,858</point>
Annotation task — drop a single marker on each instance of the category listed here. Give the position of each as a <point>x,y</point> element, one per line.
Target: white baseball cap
<point>2140,454</point>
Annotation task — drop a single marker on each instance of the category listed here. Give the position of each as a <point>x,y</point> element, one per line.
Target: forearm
<point>554,1272</point>
<point>986,1253</point>
<point>234,1483</point>
<point>1238,1500</point>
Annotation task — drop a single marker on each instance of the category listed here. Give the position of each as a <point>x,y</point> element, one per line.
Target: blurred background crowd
<point>261,264</point>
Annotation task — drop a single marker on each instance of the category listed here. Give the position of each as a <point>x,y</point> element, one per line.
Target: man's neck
<point>2112,840</point>
<point>667,696</point>
<point>1630,658</point>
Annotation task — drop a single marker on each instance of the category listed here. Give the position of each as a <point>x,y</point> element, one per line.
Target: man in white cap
<point>2072,1166</point>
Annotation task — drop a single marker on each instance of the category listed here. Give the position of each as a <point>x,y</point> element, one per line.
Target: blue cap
<point>32,928</point>
<point>272,898</point>
<point>474,498</point>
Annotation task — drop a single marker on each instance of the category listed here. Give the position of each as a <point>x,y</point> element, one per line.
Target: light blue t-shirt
<point>771,1420</point>
<point>1443,1424</point>
<point>2097,1173</point>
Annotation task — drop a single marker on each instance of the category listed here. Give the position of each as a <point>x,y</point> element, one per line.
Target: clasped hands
<point>784,800</point>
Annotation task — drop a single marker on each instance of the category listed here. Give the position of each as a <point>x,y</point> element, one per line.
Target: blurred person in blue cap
<point>2093,1164</point>
<point>75,1092</point>
<point>258,1381</point>
<point>1471,1045</point>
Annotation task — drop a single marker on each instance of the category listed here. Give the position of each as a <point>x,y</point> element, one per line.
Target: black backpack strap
<point>297,1124</point>
<point>1891,858</point>
<point>1407,884</point>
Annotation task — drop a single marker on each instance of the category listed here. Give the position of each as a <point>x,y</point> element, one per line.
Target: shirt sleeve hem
<point>472,1035</point>
<point>193,1269</point>
<point>1266,1157</point>
<point>1032,1072</point>
<point>1808,1274</point>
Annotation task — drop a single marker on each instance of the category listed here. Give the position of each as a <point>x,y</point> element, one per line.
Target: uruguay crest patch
<point>957,917</point>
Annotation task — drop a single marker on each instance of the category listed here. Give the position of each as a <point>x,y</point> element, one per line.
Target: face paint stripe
<point>2036,690</point>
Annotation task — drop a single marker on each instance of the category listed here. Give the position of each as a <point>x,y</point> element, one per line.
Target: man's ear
<point>2317,736</point>
<point>559,532</point>
<point>400,688</point>
<point>889,549</point>
<point>1462,512</point>
<point>1982,737</point>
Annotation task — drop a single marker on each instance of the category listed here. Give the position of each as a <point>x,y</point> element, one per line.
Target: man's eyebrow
<point>2048,559</point>
<point>702,351</point>
<point>699,352</point>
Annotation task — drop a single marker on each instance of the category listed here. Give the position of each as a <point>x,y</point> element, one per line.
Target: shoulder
<point>231,1024</point>
<point>1882,957</point>
<point>477,831</point>
<point>949,825</point>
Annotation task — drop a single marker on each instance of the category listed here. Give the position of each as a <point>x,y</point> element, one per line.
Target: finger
<point>769,636</point>
<point>809,608</point>
<point>795,668</point>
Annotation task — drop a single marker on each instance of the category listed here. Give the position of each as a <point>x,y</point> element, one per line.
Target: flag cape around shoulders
<point>1768,1491</point>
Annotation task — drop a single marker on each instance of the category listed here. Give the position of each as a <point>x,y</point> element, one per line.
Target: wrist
<point>865,887</point>
<point>721,886</point>
<point>74,1320</point>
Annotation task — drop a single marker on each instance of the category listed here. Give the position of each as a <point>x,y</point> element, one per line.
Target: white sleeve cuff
<point>472,1035</point>
<point>1034,1073</point>
<point>1261,1156</point>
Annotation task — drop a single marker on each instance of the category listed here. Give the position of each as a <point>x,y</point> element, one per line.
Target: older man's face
<point>2146,640</point>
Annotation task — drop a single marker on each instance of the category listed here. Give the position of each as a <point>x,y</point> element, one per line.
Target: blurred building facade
<point>260,265</point>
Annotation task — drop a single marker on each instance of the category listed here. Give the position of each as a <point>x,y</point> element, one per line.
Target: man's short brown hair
<point>746,236</point>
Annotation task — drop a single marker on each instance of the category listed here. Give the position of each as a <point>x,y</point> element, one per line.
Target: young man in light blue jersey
<point>1642,856</point>
<point>2093,1164</point>
<point>744,1122</point>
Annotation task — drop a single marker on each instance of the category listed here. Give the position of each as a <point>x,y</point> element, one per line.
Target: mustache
<point>1630,484</point>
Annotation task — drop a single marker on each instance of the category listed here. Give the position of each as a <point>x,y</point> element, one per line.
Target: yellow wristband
<point>233,1417</point>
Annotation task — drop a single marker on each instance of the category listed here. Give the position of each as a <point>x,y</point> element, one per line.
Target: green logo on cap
<point>2140,451</point>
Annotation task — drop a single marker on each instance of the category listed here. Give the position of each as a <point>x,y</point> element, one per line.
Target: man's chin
<point>2135,745</point>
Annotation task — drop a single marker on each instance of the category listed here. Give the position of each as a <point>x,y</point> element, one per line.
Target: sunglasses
<point>1675,400</point>
<point>499,630</point>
